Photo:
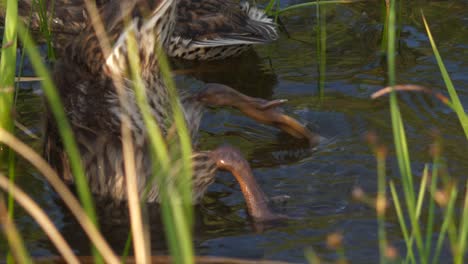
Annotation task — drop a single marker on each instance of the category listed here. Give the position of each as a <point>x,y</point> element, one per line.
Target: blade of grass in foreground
<point>321,48</point>
<point>41,218</point>
<point>185,141</point>
<point>447,223</point>
<point>399,135</point>
<point>8,65</point>
<point>63,191</point>
<point>308,4</point>
<point>45,22</point>
<point>436,161</point>
<point>175,200</point>
<point>401,220</point>
<point>179,200</point>
<point>155,138</point>
<point>269,6</point>
<point>61,119</point>
<point>140,241</point>
<point>7,80</point>
<point>463,230</point>
<point>12,235</point>
<point>384,7</point>
<point>419,204</point>
<point>63,125</point>
<point>457,105</point>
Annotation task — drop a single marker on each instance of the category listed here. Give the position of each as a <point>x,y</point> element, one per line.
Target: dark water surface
<point>318,182</point>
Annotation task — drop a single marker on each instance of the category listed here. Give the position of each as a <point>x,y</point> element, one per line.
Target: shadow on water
<point>249,73</point>
<point>319,181</point>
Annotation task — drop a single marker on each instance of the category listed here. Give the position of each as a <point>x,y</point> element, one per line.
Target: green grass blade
<point>384,9</point>
<point>431,204</point>
<point>13,237</point>
<point>63,125</point>
<point>7,94</point>
<point>181,199</point>
<point>447,224</point>
<point>269,6</point>
<point>311,256</point>
<point>422,191</point>
<point>7,69</point>
<point>176,200</point>
<point>8,58</point>
<point>127,247</point>
<point>308,4</point>
<point>322,48</point>
<point>183,135</point>
<point>45,22</point>
<point>420,201</point>
<point>399,135</point>
<point>401,221</point>
<point>455,100</point>
<point>463,233</point>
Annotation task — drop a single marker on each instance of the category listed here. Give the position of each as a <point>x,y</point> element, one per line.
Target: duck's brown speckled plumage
<point>205,29</point>
<point>216,29</point>
<point>84,77</point>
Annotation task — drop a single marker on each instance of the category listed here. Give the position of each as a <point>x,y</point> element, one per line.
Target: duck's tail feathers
<point>226,40</point>
<point>260,23</point>
<point>260,29</point>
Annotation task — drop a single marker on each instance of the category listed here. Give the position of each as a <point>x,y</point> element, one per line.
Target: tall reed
<point>413,201</point>
<point>7,65</point>
<point>321,47</point>
<point>176,200</point>
<point>7,79</point>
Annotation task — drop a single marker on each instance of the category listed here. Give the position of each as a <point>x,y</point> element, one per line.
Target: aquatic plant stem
<point>7,78</point>
<point>176,199</point>
<point>385,11</point>
<point>298,6</point>
<point>269,7</point>
<point>41,218</point>
<point>446,225</point>
<point>401,220</point>
<point>141,243</point>
<point>419,204</point>
<point>183,133</point>
<point>399,135</point>
<point>45,20</point>
<point>63,191</point>
<point>431,206</point>
<point>7,81</point>
<point>180,197</point>
<point>381,201</point>
<point>62,122</point>
<point>16,243</point>
<point>321,48</point>
<point>463,230</point>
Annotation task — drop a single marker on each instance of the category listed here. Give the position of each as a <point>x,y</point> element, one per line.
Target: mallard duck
<point>205,29</point>
<point>84,77</point>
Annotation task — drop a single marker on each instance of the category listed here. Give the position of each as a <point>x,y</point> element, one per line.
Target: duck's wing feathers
<point>212,23</point>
